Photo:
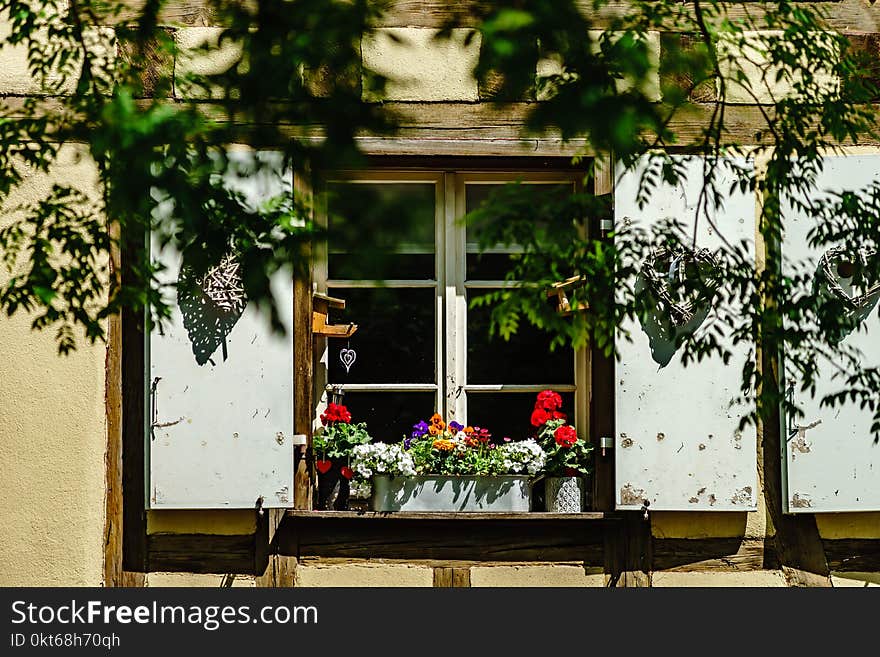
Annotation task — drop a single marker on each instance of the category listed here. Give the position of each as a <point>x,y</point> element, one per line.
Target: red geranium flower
<point>548,400</point>
<point>539,417</point>
<point>335,413</point>
<point>565,436</point>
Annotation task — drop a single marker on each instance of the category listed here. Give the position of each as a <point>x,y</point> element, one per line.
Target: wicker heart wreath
<point>840,266</point>
<point>837,263</point>
<point>679,284</point>
<point>668,266</point>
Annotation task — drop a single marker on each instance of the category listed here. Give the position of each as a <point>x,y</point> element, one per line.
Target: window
<point>420,346</point>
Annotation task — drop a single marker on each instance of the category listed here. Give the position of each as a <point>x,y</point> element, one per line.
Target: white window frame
<point>451,292</point>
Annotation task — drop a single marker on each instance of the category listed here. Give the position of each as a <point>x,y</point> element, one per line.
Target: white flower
<point>523,456</point>
<point>381,458</point>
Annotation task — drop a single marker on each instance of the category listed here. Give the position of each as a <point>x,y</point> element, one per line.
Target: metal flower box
<point>500,494</point>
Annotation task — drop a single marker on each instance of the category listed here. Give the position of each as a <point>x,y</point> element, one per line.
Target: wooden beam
<point>442,578</point>
<point>637,551</point>
<point>444,541</point>
<point>262,548</point>
<point>602,378</point>
<point>303,368</point>
<point>602,424</point>
<point>181,13</point>
<point>437,516</point>
<point>461,578</point>
<point>202,553</point>
<point>488,129</point>
<point>721,554</point>
<point>613,561</point>
<point>452,577</point>
<point>280,571</point>
<point>113,507</point>
<point>853,554</point>
<point>847,15</point>
<point>472,129</point>
<point>520,165</point>
<point>133,372</point>
<point>153,63</point>
<point>427,144</point>
<point>603,175</point>
<point>843,15</point>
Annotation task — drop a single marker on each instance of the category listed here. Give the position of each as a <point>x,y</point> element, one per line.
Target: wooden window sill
<point>438,536</point>
<point>438,515</point>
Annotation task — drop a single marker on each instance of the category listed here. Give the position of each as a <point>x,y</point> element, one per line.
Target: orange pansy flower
<point>443,445</point>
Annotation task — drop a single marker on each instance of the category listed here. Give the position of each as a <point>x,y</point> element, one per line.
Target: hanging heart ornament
<point>347,356</point>
<point>680,280</point>
<point>323,465</point>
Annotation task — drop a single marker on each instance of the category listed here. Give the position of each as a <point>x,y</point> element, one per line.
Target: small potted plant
<point>568,458</point>
<point>333,445</point>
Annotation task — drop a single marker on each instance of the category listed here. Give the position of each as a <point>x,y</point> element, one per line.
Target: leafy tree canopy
<point>298,86</point>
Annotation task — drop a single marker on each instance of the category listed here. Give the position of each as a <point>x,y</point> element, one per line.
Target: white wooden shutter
<point>220,433</point>
<point>832,462</point>
<point>677,439</point>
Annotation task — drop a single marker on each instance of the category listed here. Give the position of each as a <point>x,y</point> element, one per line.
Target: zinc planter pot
<point>502,494</point>
<point>564,494</point>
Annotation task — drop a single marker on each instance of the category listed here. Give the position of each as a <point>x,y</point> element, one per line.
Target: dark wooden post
<point>602,382</point>
<point>303,368</point>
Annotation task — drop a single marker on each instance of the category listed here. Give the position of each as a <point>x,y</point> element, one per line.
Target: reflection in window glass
<point>524,359</point>
<point>493,264</point>
<point>394,342</point>
<point>389,415</point>
<point>381,230</point>
<point>509,413</point>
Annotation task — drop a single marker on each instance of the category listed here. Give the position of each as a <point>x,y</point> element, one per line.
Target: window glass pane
<point>389,415</point>
<point>524,359</point>
<point>509,413</point>
<point>379,265</point>
<point>380,231</point>
<point>394,342</point>
<point>494,263</point>
<point>488,266</point>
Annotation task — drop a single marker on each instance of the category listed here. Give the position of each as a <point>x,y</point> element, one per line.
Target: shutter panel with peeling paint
<point>220,386</point>
<point>678,443</point>
<point>832,461</point>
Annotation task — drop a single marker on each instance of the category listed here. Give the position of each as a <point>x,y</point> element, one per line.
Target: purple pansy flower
<point>455,426</point>
<point>420,429</point>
